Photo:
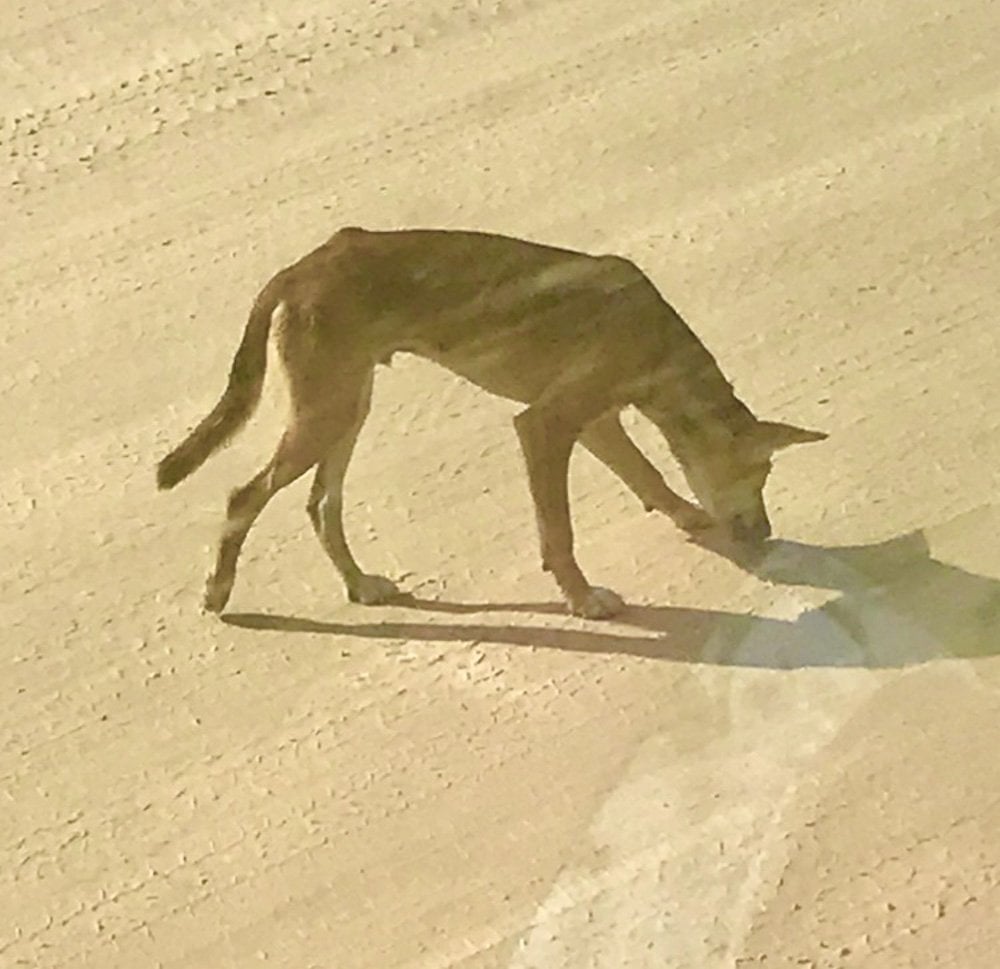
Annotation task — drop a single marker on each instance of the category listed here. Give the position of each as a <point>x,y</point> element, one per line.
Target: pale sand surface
<point>792,768</point>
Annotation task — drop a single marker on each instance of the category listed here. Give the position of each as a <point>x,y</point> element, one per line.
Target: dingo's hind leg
<point>326,504</point>
<point>301,446</point>
<point>606,439</point>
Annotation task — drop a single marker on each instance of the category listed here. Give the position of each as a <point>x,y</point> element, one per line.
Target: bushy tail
<point>246,380</point>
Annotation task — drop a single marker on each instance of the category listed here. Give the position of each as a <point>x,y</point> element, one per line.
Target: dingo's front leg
<point>546,442</point>
<point>606,439</point>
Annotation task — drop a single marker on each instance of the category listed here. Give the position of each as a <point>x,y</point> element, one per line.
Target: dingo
<point>576,337</point>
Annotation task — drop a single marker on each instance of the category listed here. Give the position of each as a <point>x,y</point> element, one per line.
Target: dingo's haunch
<point>575,337</point>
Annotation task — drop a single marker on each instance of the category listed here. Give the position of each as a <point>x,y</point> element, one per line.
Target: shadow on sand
<point>893,605</point>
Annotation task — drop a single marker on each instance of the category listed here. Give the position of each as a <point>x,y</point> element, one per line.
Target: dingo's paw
<point>597,603</point>
<point>216,596</point>
<point>372,590</point>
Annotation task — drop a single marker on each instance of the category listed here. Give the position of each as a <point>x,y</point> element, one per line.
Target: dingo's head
<point>728,477</point>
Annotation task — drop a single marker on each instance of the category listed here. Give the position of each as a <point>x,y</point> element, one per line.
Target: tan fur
<point>575,337</point>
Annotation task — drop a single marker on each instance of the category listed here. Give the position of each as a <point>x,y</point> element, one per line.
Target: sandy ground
<point>795,767</point>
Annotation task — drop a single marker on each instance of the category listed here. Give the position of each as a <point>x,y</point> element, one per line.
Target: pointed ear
<point>776,435</point>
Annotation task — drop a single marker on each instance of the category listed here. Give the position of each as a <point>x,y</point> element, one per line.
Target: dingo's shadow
<point>896,606</point>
